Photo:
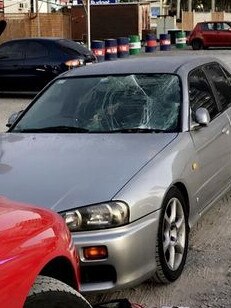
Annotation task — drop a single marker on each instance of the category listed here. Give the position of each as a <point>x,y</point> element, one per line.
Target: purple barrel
<point>98,48</point>
<point>110,49</point>
<point>123,47</point>
<point>165,42</point>
<point>150,42</point>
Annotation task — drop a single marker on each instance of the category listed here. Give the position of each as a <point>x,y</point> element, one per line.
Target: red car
<point>37,259</point>
<point>211,34</point>
<point>38,263</point>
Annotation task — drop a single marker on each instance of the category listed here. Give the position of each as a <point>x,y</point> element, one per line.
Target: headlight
<point>74,63</point>
<point>99,216</point>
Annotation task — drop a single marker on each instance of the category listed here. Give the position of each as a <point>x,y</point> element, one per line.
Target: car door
<point>221,82</point>
<point>209,34</point>
<point>212,142</point>
<point>224,33</point>
<point>37,67</point>
<point>11,66</point>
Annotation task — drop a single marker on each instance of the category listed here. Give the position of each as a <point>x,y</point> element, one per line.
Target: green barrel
<point>134,44</point>
<point>181,39</point>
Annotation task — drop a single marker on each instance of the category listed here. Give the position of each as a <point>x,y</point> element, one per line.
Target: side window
<point>36,50</point>
<point>200,93</point>
<point>207,26</point>
<point>220,26</point>
<point>11,51</point>
<point>221,84</point>
<point>226,26</point>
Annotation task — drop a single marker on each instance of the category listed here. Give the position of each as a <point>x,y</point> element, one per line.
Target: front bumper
<point>131,255</point>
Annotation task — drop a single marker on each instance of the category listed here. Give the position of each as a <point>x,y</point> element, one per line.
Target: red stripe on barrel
<point>99,52</point>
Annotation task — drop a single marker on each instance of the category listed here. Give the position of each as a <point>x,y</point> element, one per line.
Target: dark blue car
<point>27,65</point>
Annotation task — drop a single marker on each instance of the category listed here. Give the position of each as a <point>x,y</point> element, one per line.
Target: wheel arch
<point>182,188</point>
<point>61,269</point>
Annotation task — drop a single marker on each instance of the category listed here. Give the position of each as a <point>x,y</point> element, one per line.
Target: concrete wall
<point>199,17</point>
<point>163,24</point>
<point>227,16</point>
<point>190,19</point>
<point>57,25</point>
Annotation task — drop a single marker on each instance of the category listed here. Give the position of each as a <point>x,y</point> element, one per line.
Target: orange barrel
<point>110,49</point>
<point>150,42</point>
<point>98,48</point>
<point>123,47</point>
<point>165,42</point>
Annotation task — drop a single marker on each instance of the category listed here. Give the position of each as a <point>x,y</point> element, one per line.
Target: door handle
<point>225,130</point>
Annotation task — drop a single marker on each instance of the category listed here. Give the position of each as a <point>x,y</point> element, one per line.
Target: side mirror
<point>13,118</point>
<point>202,116</point>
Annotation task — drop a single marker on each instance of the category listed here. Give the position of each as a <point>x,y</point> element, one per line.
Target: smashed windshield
<point>107,104</point>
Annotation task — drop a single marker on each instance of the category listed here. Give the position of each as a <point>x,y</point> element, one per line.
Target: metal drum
<point>98,48</point>
<point>165,42</point>
<point>134,44</point>
<point>123,47</point>
<point>150,43</point>
<point>181,39</point>
<point>110,49</point>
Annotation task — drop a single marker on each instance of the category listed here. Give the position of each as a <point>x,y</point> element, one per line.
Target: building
<point>26,6</point>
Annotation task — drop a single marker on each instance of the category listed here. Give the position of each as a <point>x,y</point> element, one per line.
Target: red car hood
<point>19,223</point>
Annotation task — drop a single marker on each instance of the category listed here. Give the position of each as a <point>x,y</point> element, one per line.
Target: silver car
<point>131,153</point>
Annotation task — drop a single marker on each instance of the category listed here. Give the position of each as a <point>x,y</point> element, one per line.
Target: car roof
<point>213,21</point>
<point>164,64</point>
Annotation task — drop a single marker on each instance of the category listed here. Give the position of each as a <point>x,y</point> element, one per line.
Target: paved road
<point>206,280</point>
<point>9,106</point>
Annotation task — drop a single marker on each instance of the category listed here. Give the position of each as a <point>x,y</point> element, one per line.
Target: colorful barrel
<point>110,49</point>
<point>134,44</point>
<point>165,42</point>
<point>150,43</point>
<point>181,39</point>
<point>123,47</point>
<point>98,48</point>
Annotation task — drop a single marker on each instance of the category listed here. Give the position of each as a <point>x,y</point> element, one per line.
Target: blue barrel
<point>123,47</point>
<point>150,42</point>
<point>110,49</point>
<point>165,42</point>
<point>98,48</point>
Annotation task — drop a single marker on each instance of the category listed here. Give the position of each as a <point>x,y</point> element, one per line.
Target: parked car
<point>38,260</point>
<point>211,34</point>
<point>131,153</point>
<point>27,65</point>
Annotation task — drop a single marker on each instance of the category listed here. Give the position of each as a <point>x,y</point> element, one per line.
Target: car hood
<point>64,171</point>
<point>2,26</point>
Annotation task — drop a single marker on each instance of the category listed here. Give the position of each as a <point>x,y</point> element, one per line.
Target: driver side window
<point>200,94</point>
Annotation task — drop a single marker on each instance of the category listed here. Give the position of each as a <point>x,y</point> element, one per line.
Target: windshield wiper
<point>53,129</point>
<point>137,130</point>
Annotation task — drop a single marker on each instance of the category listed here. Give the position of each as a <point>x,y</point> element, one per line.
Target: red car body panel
<point>30,238</point>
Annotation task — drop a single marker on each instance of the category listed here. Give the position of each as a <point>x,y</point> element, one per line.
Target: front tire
<point>197,45</point>
<point>172,240</point>
<point>49,292</point>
